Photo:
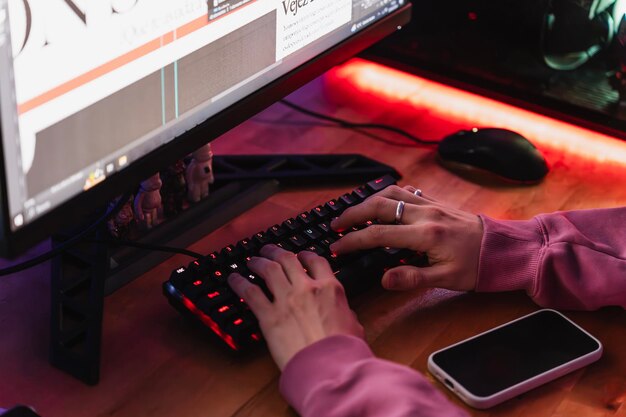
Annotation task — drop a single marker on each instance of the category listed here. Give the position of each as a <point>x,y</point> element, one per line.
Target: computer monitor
<point>97,95</point>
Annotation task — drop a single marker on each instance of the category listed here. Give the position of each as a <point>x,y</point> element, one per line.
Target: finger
<point>377,236</point>
<point>421,196</point>
<point>410,277</point>
<point>317,267</point>
<point>374,208</point>
<point>138,210</point>
<point>251,294</point>
<point>292,267</point>
<point>272,273</point>
<point>405,194</point>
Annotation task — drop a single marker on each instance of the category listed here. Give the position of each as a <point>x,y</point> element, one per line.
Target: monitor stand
<point>82,276</point>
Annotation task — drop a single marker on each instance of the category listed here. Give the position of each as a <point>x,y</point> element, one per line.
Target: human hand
<point>450,238</point>
<point>309,303</point>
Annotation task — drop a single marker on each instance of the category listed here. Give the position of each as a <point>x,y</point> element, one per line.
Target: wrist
<point>317,362</point>
<point>510,255</point>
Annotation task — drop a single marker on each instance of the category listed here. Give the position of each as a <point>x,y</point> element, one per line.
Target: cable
<point>68,243</point>
<point>148,246</point>
<point>336,126</point>
<point>352,125</point>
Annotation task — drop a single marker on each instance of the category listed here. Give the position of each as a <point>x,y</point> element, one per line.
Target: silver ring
<point>399,211</point>
<point>418,192</point>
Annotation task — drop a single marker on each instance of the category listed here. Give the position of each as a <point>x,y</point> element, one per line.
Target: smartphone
<point>513,358</point>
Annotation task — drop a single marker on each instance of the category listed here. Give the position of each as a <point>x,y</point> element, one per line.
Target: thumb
<point>411,277</point>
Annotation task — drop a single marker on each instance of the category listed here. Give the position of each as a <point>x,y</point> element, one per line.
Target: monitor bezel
<point>85,204</point>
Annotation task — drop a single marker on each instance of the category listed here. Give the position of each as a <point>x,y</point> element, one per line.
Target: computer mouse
<point>500,152</point>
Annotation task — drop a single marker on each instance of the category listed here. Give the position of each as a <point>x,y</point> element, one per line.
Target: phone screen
<point>514,353</point>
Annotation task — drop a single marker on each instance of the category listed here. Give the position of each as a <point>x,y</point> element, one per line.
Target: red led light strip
<point>476,111</point>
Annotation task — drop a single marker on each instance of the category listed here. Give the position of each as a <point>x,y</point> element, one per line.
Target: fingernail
<point>266,247</point>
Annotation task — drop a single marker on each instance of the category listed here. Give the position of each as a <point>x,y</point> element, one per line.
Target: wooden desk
<point>155,364</point>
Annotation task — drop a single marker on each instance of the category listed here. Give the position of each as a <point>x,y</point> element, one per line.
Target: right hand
<point>451,238</point>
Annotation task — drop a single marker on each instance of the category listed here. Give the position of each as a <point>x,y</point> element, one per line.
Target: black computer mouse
<point>500,152</point>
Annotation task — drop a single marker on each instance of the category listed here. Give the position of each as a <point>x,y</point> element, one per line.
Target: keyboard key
<point>214,258</point>
<point>277,231</point>
<point>257,280</point>
<point>218,276</point>
<point>380,183</point>
<point>291,224</point>
<point>324,227</point>
<point>211,301</point>
<point>312,233</point>
<point>320,212</point>
<point>286,246</point>
<point>195,289</point>
<point>261,239</point>
<point>315,249</point>
<point>234,267</point>
<point>246,246</point>
<point>348,199</point>
<point>180,277</point>
<point>361,193</point>
<point>305,219</point>
<point>223,313</point>
<point>334,207</point>
<point>230,252</point>
<point>297,241</point>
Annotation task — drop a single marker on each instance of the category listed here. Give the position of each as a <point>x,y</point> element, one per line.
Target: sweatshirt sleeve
<point>567,260</point>
<point>339,376</point>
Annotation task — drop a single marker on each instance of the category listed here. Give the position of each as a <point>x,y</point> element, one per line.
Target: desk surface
<point>155,364</point>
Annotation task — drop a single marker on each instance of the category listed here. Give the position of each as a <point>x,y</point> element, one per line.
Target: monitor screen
<point>88,88</point>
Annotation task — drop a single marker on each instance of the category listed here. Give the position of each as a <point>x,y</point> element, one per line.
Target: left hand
<point>309,303</point>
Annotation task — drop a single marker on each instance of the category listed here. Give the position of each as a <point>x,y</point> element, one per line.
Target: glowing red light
<point>378,181</point>
<point>472,15</point>
<point>237,322</point>
<point>213,294</point>
<point>469,109</point>
<point>188,304</point>
<point>218,274</point>
<point>209,323</point>
<point>255,337</point>
<point>197,283</point>
<point>223,309</point>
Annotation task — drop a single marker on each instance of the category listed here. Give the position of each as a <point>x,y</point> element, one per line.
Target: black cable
<point>148,246</point>
<point>68,243</point>
<point>336,126</point>
<point>352,125</point>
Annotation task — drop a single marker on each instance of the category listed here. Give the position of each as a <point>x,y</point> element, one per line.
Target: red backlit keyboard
<point>201,292</point>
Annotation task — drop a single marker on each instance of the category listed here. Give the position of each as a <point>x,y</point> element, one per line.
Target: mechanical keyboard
<point>201,292</point>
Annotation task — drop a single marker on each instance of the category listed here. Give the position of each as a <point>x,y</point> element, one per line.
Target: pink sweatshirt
<point>566,260</point>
